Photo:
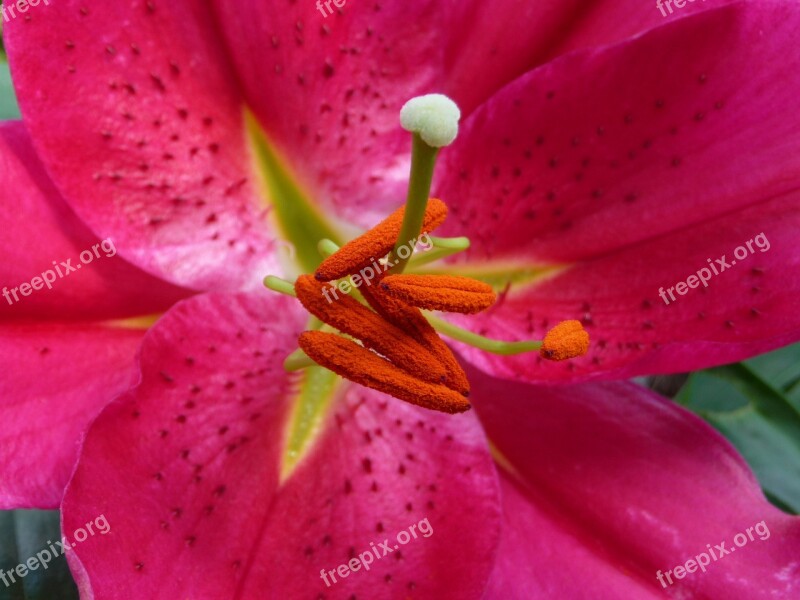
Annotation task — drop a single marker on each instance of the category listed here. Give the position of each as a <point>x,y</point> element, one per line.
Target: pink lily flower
<point>222,476</point>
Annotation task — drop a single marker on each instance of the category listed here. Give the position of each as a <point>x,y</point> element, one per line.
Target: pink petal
<point>186,470</point>
<point>56,379</point>
<point>517,37</point>
<point>610,21</point>
<point>42,233</point>
<point>685,149</point>
<point>167,113</point>
<point>139,121</point>
<point>63,362</point>
<point>642,166</point>
<point>747,309</point>
<point>542,556</point>
<point>329,91</point>
<point>329,87</point>
<point>621,484</point>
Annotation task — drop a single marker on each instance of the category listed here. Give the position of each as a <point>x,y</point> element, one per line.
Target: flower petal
<point>515,38</point>
<point>63,362</point>
<point>139,121</point>
<point>187,467</point>
<point>686,148</point>
<point>607,22</point>
<point>45,239</point>
<point>328,91</point>
<point>542,556</point>
<point>677,116</point>
<point>748,308</point>
<point>328,88</point>
<point>164,137</point>
<point>622,484</point>
<point>56,379</point>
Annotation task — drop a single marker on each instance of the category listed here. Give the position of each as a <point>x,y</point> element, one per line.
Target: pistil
<point>433,119</point>
<point>423,161</point>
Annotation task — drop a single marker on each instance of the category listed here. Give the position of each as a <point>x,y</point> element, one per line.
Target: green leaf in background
<point>782,369</point>
<point>756,405</point>
<point>8,100</point>
<point>24,534</point>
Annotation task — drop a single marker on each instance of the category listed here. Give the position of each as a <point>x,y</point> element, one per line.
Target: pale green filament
<point>276,284</point>
<point>479,341</point>
<point>442,248</point>
<point>327,247</point>
<point>298,360</point>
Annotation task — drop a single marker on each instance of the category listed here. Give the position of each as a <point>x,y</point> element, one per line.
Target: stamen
<point>351,317</point>
<point>376,243</point>
<point>442,248</point>
<point>411,320</point>
<point>327,247</point>
<point>276,284</point>
<point>566,340</point>
<point>458,244</point>
<point>351,361</point>
<point>448,293</point>
<point>434,121</point>
<point>478,341</point>
<point>297,361</point>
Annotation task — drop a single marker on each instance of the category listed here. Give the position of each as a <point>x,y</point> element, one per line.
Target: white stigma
<point>434,117</point>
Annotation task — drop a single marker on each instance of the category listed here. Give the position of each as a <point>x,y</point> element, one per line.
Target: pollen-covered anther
<point>353,318</point>
<point>448,293</point>
<point>411,320</point>
<point>353,362</point>
<point>376,243</point>
<point>566,340</point>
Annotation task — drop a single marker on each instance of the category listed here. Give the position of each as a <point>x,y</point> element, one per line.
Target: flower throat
<point>377,334</point>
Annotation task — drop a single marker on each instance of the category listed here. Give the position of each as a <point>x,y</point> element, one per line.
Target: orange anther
<point>566,340</point>
<point>448,293</point>
<point>412,321</point>
<point>376,243</point>
<point>353,362</point>
<point>353,318</point>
